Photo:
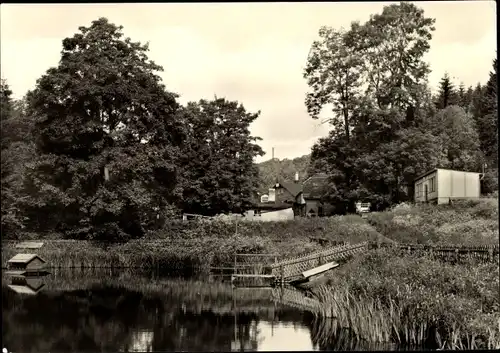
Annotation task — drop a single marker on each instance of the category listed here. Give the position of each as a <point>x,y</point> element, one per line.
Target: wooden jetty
<point>305,270</point>
<point>314,276</point>
<point>294,270</point>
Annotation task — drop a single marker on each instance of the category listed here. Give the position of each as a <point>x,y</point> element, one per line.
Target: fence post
<point>282,271</point>
<point>234,269</point>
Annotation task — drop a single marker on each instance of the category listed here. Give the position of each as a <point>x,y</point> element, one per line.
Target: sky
<point>254,53</point>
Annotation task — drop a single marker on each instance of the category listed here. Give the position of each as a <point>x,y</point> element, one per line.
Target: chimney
<point>296,177</point>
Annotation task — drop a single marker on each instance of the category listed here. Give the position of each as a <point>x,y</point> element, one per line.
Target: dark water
<point>83,311</point>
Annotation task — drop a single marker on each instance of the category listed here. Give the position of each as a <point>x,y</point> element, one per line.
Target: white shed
<point>442,185</point>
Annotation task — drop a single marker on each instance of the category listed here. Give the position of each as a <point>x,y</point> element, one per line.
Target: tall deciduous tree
<point>6,106</point>
<point>218,173</point>
<point>103,112</point>
<point>333,74</point>
<point>392,45</point>
<point>459,139</point>
<point>17,151</point>
<point>9,219</point>
<point>388,120</point>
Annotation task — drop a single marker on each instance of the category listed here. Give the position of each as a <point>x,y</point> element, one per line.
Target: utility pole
<point>275,168</point>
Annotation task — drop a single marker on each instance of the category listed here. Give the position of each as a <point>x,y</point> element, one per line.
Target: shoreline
<point>166,255</point>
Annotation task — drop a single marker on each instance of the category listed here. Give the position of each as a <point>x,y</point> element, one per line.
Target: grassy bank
<point>414,300</point>
<point>205,243</point>
<point>463,223</point>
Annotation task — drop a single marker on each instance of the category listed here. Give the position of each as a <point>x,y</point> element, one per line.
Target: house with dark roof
<point>284,193</point>
<point>306,199</point>
<point>314,190</point>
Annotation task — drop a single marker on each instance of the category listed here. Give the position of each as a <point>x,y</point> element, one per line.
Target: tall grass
<point>203,244</point>
<point>415,301</point>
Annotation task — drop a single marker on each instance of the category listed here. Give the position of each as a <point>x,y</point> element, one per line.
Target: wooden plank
<point>15,273</point>
<point>271,255</point>
<point>29,245</point>
<point>326,253</point>
<point>319,269</point>
<point>255,276</point>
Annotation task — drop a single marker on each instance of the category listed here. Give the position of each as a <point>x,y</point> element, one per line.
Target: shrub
<point>466,222</point>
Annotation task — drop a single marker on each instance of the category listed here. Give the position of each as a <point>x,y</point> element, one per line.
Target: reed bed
<point>203,244</point>
<point>415,301</point>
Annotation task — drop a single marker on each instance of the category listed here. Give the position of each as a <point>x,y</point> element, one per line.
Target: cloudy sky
<point>250,52</point>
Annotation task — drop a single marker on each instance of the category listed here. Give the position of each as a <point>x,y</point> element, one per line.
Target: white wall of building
<point>450,184</point>
<point>281,215</point>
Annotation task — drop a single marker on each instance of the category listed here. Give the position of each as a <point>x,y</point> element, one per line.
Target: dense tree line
<point>387,126</point>
<point>101,149</point>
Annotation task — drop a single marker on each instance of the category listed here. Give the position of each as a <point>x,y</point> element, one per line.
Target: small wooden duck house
<point>27,263</point>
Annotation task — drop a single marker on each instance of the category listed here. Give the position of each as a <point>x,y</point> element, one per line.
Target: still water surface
<point>109,311</point>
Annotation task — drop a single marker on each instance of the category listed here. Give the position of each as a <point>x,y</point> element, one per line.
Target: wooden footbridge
<point>293,268</point>
<point>296,268</point>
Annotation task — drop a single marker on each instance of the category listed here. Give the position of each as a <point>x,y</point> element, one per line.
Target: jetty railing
<point>291,268</point>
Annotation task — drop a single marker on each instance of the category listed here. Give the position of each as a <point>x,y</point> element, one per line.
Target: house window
<point>419,190</point>
<point>432,184</point>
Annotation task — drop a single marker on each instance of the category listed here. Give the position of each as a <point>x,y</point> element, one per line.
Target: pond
<point>81,310</point>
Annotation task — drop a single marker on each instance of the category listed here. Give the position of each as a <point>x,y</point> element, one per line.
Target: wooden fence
<point>291,268</point>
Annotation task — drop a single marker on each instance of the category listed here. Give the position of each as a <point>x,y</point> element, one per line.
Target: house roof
<point>293,188</point>
<point>25,258</point>
<point>315,186</point>
<point>436,169</point>
<point>30,245</point>
<point>23,289</point>
<point>425,174</point>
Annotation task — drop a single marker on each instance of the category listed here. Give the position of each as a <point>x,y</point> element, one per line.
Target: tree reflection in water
<point>127,313</point>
